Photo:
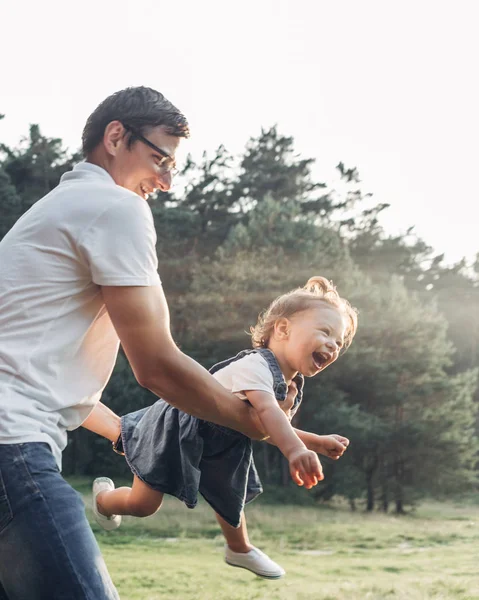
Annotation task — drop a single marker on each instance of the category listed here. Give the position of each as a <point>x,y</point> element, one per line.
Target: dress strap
<point>279,384</point>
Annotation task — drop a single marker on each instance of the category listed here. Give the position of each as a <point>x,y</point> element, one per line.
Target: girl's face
<point>311,340</point>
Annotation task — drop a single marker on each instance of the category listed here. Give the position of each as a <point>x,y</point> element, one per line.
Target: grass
<point>328,553</point>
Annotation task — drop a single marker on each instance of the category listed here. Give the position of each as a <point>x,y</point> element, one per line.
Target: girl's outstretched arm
<point>333,445</point>
<point>304,466</point>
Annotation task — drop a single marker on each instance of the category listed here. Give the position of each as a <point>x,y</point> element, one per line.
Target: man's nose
<point>164,182</point>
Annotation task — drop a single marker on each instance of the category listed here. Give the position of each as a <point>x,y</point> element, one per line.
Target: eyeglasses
<point>167,163</point>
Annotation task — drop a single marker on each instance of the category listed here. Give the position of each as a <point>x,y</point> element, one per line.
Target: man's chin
<point>140,192</point>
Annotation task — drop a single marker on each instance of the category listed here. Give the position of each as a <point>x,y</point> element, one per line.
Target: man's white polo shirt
<point>57,343</point>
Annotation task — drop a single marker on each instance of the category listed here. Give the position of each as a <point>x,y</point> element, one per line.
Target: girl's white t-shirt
<point>57,343</point>
<point>251,372</point>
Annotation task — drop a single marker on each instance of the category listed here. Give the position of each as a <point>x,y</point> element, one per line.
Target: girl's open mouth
<point>319,360</point>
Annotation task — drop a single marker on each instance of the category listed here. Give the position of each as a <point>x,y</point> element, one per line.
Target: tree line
<point>241,230</point>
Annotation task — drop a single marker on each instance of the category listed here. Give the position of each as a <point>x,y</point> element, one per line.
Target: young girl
<point>171,452</point>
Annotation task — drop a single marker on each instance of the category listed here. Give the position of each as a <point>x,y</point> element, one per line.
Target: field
<point>328,553</point>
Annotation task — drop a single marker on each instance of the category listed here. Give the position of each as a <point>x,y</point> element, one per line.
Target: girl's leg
<point>138,501</point>
<point>241,553</point>
<point>236,538</point>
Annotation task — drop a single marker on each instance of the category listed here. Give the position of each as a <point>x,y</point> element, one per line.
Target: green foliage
<point>208,196</point>
<point>407,408</point>
<point>36,165</point>
<point>270,167</point>
<point>281,225</point>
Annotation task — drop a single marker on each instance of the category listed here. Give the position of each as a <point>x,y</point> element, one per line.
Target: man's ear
<point>282,328</point>
<point>113,135</point>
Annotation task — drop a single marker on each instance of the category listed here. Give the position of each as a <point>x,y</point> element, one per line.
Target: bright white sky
<point>389,87</point>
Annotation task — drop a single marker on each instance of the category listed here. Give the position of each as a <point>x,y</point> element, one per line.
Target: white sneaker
<point>255,561</point>
<point>104,484</point>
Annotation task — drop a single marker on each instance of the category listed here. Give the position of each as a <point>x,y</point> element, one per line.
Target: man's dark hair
<point>139,107</point>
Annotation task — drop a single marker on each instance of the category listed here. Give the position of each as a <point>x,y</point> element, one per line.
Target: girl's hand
<point>304,467</point>
<point>333,446</point>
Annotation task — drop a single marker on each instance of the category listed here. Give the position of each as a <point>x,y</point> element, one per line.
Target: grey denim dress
<point>177,454</point>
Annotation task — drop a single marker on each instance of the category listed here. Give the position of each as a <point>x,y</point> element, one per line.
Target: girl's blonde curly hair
<point>317,289</point>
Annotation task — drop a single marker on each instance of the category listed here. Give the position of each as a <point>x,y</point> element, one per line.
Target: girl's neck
<point>288,373</point>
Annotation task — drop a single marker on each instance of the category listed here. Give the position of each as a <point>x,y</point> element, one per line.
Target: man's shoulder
<point>75,209</point>
<point>96,192</point>
<point>84,200</point>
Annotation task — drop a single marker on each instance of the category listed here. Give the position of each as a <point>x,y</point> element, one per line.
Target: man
<point>78,274</point>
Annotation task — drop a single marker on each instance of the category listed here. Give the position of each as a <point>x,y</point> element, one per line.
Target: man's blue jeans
<point>47,549</point>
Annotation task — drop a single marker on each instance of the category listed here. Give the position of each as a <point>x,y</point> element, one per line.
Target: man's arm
<point>103,421</point>
<point>141,318</point>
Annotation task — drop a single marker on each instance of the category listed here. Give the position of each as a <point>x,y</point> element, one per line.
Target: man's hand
<point>304,467</point>
<point>288,403</point>
<point>333,446</point>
